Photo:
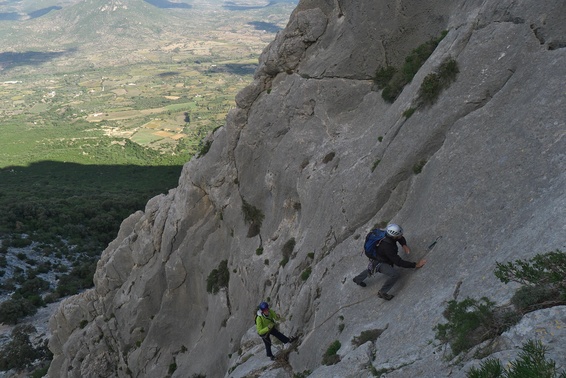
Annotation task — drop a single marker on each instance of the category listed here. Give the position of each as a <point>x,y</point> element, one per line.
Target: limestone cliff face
<point>314,147</point>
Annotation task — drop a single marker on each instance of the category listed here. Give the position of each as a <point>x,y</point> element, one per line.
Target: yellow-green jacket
<point>263,322</point>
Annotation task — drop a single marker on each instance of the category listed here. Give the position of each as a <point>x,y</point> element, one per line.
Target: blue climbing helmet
<point>263,306</point>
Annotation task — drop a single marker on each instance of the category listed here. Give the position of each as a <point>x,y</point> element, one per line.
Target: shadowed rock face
<point>300,148</point>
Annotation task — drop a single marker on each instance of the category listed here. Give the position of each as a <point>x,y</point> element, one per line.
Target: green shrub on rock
<point>365,336</point>
<point>331,357</point>
<point>253,217</point>
<point>543,278</point>
<point>471,322</point>
<point>435,82</point>
<point>218,278</point>
<point>532,362</point>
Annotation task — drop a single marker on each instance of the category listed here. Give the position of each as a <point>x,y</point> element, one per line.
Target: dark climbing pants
<point>267,340</point>
<point>392,274</point>
<point>366,272</point>
<point>361,277</point>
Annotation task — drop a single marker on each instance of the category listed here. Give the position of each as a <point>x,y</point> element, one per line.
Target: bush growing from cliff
<point>365,336</point>
<point>375,164</point>
<point>383,76</point>
<point>418,56</point>
<point>471,322</point>
<point>287,251</point>
<point>418,167</point>
<point>203,147</point>
<point>253,217</point>
<point>532,362</point>
<point>218,278</point>
<point>306,273</point>
<point>331,357</point>
<point>409,112</point>
<point>392,81</point>
<point>435,82</point>
<point>543,278</point>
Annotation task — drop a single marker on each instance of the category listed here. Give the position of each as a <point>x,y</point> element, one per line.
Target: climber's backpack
<point>373,238</point>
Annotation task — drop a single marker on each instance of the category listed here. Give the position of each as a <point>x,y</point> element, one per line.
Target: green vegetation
<point>435,82</point>
<point>383,76</point>
<point>172,368</point>
<point>375,164</point>
<point>252,216</point>
<point>418,167</point>
<point>218,278</point>
<point>78,279</point>
<point>409,112</point>
<point>532,362</point>
<point>204,147</point>
<point>418,56</point>
<point>66,214</point>
<point>471,321</point>
<point>328,158</point>
<point>306,273</point>
<point>20,353</point>
<point>365,336</point>
<point>287,251</point>
<point>82,204</point>
<point>393,80</point>
<point>40,372</point>
<point>14,309</point>
<point>331,357</point>
<point>543,278</point>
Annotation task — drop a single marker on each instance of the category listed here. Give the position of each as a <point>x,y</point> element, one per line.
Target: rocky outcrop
<point>314,149</point>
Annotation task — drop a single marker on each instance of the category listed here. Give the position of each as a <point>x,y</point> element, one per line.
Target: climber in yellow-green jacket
<point>266,323</point>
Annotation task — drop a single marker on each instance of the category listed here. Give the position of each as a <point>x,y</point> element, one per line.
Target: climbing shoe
<point>362,284</point>
<point>385,296</point>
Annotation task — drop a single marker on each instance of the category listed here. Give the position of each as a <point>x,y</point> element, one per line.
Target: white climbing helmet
<point>394,230</point>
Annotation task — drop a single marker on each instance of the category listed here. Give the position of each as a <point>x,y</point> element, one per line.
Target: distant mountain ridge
<point>108,21</point>
<point>100,26</point>
<point>91,24</point>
